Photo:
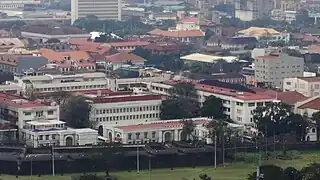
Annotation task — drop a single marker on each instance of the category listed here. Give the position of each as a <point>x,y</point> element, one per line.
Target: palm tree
<point>217,129</point>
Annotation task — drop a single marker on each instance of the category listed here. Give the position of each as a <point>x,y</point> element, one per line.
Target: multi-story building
<point>238,102</point>
<point>62,82</point>
<point>13,4</point>
<point>270,70</point>
<point>21,63</point>
<point>122,108</point>
<point>39,123</point>
<point>162,131</point>
<point>252,9</point>
<point>103,9</point>
<point>308,86</point>
<point>19,111</point>
<point>55,133</point>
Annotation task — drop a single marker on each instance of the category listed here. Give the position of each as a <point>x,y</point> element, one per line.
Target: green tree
<point>188,129</point>
<point>75,112</point>
<point>204,177</point>
<point>213,108</point>
<point>268,172</point>
<point>292,173</point>
<point>311,172</point>
<point>316,118</point>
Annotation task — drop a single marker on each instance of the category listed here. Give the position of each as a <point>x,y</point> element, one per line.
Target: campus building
<point>238,102</point>
<point>63,82</point>
<point>103,9</point>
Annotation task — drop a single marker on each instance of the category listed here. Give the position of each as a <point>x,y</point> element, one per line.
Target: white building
<point>162,131</point>
<point>19,111</point>
<point>103,9</point>
<point>122,108</point>
<point>54,83</point>
<point>270,70</point>
<point>14,4</point>
<point>55,133</point>
<point>238,105</point>
<point>308,86</point>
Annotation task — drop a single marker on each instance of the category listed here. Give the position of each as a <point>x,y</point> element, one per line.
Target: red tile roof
<point>129,43</point>
<point>89,46</point>
<point>158,125</point>
<point>313,104</point>
<point>125,98</point>
<point>123,57</point>
<point>177,34</point>
<point>310,79</point>
<point>268,57</point>
<point>17,101</point>
<point>81,58</point>
<point>290,97</point>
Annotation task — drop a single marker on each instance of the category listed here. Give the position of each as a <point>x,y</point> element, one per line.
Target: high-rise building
<point>103,9</point>
<point>248,10</point>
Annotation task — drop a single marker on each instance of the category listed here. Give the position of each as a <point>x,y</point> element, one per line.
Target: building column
<point>176,135</point>
<point>160,136</point>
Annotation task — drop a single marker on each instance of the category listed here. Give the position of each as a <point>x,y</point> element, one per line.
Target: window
<point>129,136</point>
<point>145,135</point>
<point>288,83</point>
<point>251,104</point>
<point>41,137</point>
<point>239,111</point>
<point>53,136</point>
<point>137,135</point>
<point>153,134</point>
<point>239,104</point>
<point>39,113</point>
<point>239,118</point>
<point>47,137</point>
<point>26,113</point>
<point>260,104</point>
<point>50,112</point>
<point>313,130</point>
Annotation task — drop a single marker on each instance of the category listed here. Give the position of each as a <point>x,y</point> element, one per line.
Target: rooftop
<point>290,97</point>
<point>46,29</point>
<point>124,98</point>
<point>159,125</point>
<point>123,57</point>
<point>177,34</point>
<point>310,79</point>
<point>313,104</point>
<point>207,58</point>
<point>259,31</point>
<point>17,101</point>
<point>45,122</point>
<point>196,20</point>
<point>129,43</point>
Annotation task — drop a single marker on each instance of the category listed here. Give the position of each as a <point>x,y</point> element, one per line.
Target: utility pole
<point>31,168</point>
<point>215,151</point>
<point>138,160</point>
<point>52,151</point>
<point>149,167</point>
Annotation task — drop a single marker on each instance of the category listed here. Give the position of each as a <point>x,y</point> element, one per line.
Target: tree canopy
<point>75,112</point>
<point>277,118</point>
<point>213,108</point>
<point>182,102</point>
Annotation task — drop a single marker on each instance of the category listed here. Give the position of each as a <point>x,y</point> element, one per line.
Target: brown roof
<point>89,46</point>
<point>187,33</point>
<point>310,79</point>
<point>314,104</point>
<point>291,97</point>
<point>124,57</point>
<point>129,43</point>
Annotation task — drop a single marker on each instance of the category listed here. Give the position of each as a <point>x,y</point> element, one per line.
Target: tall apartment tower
<point>103,9</point>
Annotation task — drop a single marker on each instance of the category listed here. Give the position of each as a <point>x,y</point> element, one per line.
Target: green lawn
<point>236,171</point>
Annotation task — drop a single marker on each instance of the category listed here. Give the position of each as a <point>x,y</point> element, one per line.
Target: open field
<point>236,171</point>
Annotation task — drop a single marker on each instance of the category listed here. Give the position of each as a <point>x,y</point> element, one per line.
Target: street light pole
<point>53,170</point>
<point>149,167</point>
<point>138,160</point>
<point>215,151</point>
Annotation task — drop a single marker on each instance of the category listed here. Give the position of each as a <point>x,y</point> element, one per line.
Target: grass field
<point>238,171</point>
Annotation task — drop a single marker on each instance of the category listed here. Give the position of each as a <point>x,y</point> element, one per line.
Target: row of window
<point>68,88</point>
<point>131,109</point>
<point>128,117</point>
<point>38,113</point>
<point>145,135</point>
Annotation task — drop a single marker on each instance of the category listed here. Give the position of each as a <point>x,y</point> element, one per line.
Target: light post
<point>138,160</point>
<point>31,167</point>
<point>150,167</point>
<point>53,163</point>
